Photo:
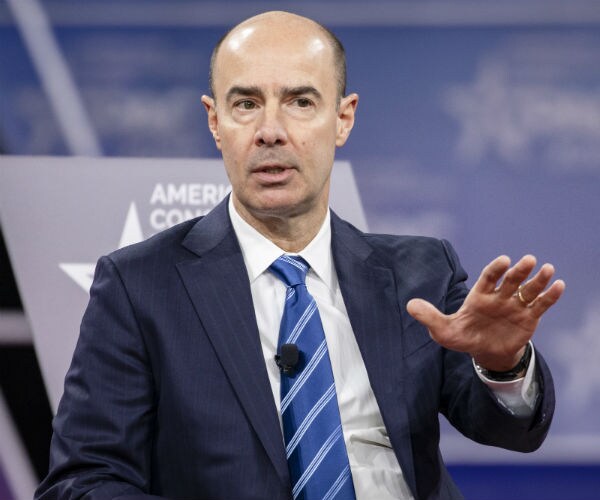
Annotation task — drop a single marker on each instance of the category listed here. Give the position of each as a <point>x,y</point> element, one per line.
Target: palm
<point>494,324</point>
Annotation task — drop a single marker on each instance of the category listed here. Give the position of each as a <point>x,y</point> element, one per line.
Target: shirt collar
<point>260,252</point>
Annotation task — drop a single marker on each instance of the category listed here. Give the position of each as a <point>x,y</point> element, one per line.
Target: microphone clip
<point>287,359</point>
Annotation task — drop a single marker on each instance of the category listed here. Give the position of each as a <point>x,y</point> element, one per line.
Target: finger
<point>428,315</point>
<point>547,299</point>
<point>486,283</point>
<point>536,285</point>
<point>515,276</point>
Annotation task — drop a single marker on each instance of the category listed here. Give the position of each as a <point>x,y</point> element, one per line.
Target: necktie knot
<point>290,269</point>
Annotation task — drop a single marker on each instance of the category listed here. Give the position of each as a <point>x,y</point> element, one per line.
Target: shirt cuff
<point>517,396</point>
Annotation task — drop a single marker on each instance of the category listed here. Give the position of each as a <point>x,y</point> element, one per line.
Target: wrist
<point>517,371</point>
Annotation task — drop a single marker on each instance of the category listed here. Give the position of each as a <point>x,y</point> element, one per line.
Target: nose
<point>270,129</point>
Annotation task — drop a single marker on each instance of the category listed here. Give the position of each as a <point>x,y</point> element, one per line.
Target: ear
<point>345,119</point>
<point>213,121</point>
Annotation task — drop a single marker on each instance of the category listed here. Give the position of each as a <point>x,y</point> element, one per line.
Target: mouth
<point>271,170</point>
<point>272,173</point>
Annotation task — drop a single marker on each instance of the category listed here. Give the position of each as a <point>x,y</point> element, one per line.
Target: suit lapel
<point>217,283</point>
<point>369,292</point>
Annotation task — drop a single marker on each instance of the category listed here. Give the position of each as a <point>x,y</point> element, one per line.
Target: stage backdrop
<point>477,121</point>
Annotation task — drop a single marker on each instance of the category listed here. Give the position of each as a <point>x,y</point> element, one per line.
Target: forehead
<point>271,57</point>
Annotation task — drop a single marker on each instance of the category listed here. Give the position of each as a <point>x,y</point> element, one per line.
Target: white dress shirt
<point>376,472</point>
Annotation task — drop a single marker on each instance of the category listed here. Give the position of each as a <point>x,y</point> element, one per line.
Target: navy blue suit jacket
<point>168,393</point>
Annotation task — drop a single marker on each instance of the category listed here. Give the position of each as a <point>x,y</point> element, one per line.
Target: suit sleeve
<point>470,405</point>
<point>102,439</point>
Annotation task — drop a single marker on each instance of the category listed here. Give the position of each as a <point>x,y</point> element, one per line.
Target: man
<point>174,389</point>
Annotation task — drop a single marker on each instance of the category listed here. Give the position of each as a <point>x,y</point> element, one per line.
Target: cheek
<point>232,161</point>
<point>232,148</point>
<point>317,141</point>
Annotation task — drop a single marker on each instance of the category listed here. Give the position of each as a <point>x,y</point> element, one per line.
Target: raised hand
<point>495,322</point>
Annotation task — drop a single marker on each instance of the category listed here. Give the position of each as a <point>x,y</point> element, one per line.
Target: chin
<point>283,207</point>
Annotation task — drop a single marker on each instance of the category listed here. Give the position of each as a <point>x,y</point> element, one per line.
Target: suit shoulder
<point>413,248</point>
<point>391,242</point>
<point>390,249</point>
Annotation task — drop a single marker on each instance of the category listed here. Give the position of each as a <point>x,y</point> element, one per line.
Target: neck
<point>291,233</point>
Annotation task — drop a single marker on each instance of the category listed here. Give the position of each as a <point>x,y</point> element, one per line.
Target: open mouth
<point>272,170</point>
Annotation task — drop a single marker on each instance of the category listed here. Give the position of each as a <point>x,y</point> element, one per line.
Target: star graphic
<point>490,115</point>
<point>83,273</point>
<point>516,120</point>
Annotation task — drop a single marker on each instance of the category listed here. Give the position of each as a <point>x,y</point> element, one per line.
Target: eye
<point>245,105</point>
<point>303,102</point>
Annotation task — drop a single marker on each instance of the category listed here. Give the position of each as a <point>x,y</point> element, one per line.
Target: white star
<point>487,113</point>
<point>83,273</point>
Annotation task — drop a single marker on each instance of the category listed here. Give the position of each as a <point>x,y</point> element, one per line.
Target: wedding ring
<point>521,298</point>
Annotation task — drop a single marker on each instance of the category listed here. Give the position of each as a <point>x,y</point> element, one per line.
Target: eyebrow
<point>238,90</point>
<point>254,91</point>
<point>301,90</point>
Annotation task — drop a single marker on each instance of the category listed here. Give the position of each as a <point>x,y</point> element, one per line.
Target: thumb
<point>426,314</point>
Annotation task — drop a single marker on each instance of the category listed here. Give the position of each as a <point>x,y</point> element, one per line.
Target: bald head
<point>280,26</point>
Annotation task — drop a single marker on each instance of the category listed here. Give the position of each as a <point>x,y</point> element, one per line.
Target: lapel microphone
<point>287,359</point>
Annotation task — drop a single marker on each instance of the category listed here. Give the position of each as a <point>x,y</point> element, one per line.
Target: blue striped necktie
<point>312,428</point>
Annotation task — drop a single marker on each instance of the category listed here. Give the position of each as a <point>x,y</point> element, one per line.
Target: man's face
<point>276,118</point>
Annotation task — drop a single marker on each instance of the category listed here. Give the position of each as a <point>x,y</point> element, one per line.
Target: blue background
<point>479,126</point>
